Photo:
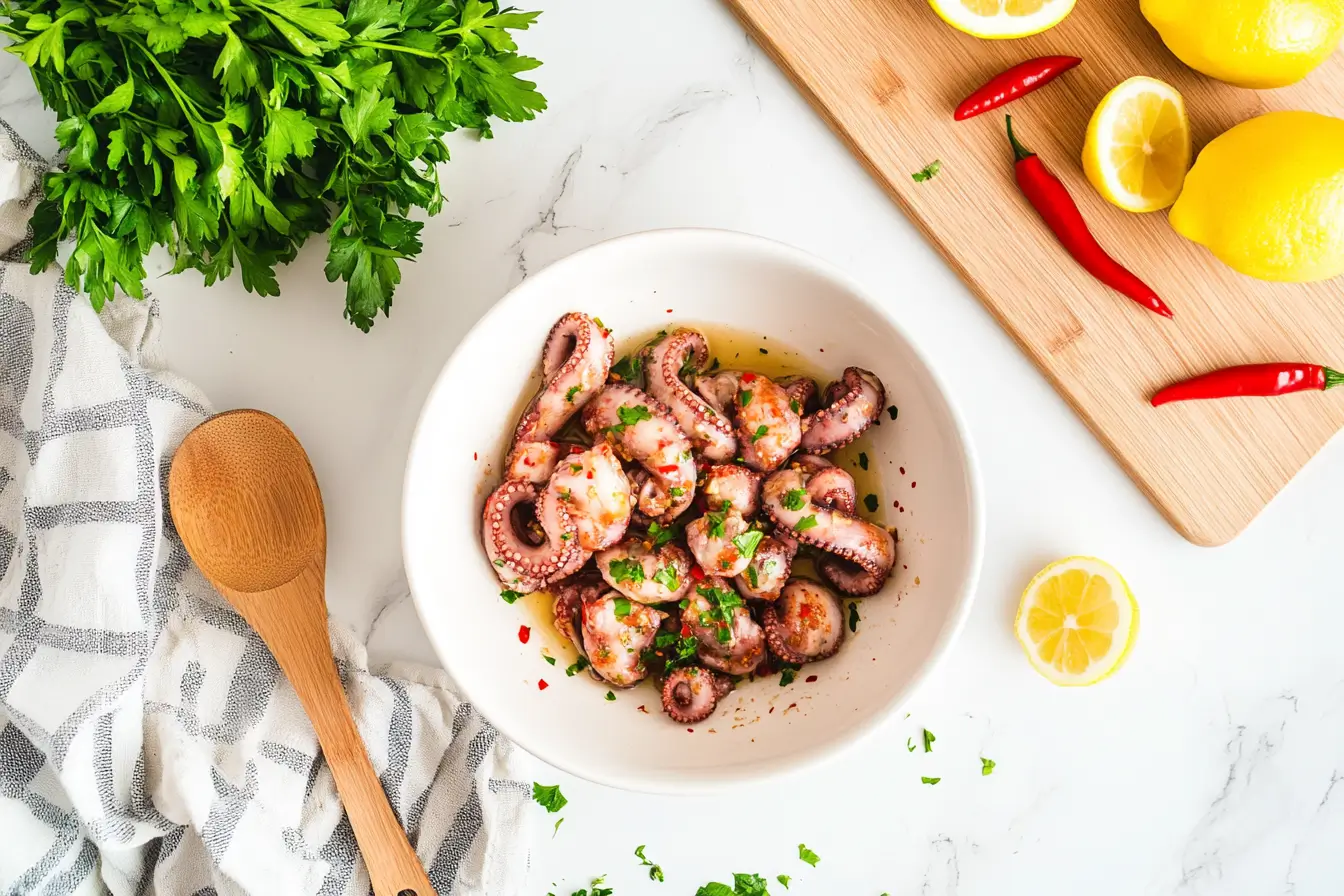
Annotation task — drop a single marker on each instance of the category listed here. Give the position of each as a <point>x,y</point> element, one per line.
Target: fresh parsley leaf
<point>928,172</point>
<point>870,501</point>
<point>753,577</point>
<point>598,321</point>
<point>986,766</point>
<point>499,563</point>
<point>787,673</point>
<point>910,745</point>
<point>676,491</point>
<point>549,796</point>
<point>622,571</point>
<point>559,821</point>
<point>924,780</point>
<point>570,393</point>
<point>749,885</point>
<point>747,542</point>
<point>548,658</point>
<point>761,432</point>
<point>715,520</point>
<point>805,523</point>
<point>655,870</point>
<point>863,461</point>
<point>784,880</point>
<point>510,596</point>
<point>621,605</point>
<point>744,397</point>
<point>611,698</point>
<point>795,406</point>
<point>667,577</point>
<point>577,666</point>
<point>661,535</point>
<point>795,499</point>
<point>808,855</point>
<point>688,368</point>
<point>629,416</point>
<point>715,889</point>
<point>928,741</point>
<point>854,616</point>
<point>627,370</point>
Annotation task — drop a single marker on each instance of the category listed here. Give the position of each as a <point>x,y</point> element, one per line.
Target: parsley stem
<point>397,48</point>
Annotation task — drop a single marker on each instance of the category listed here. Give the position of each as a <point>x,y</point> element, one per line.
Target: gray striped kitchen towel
<point>148,742</point>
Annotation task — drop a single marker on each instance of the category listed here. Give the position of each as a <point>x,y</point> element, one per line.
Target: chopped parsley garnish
<point>749,884</point>
<point>928,172</point>
<point>910,745</point>
<point>747,542</point>
<point>667,577</point>
<point>671,651</point>
<point>621,605</point>
<point>863,461</point>
<point>761,432</point>
<point>555,830</point>
<point>722,602</point>
<point>870,501</point>
<point>549,659</point>
<point>499,563</point>
<point>655,870</point>
<point>611,698</point>
<point>576,468</point>
<point>924,780</point>
<point>598,321</point>
<point>661,535</point>
<point>986,766</point>
<point>808,855</point>
<point>598,888</point>
<point>569,396</point>
<point>627,369</point>
<point>795,499</point>
<point>752,577</point>
<point>577,666</point>
<point>510,596</point>
<point>784,880</point>
<point>629,416</point>
<point>744,396</point>
<point>764,352</point>
<point>550,797</point>
<point>928,741</point>
<point>805,523</point>
<point>714,889</point>
<point>892,411</point>
<point>713,365</point>
<point>631,571</point>
<point>854,619</point>
<point>676,491</point>
<point>795,406</point>
<point>715,521</point>
<point>565,536</point>
<point>688,367</point>
<point>787,673</point>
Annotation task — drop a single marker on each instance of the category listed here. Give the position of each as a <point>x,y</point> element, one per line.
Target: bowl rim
<point>687,781</point>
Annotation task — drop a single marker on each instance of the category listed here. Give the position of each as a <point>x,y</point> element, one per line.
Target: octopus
<point>595,490</point>
<point>616,632</point>
<point>709,430</point>
<point>731,641</point>
<point>642,430</point>
<point>806,624</point>
<point>528,541</point>
<point>802,392</point>
<point>648,574</point>
<point>848,407</point>
<point>575,362</point>
<point>869,548</point>
<point>767,427</point>
<point>769,569</point>
<point>691,693</point>
<point>828,484</point>
<point>735,486</point>
<point>722,542</point>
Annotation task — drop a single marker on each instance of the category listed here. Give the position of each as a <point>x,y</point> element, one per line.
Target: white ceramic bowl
<point>637,284</point>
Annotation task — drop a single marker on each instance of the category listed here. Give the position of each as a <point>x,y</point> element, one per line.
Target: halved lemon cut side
<point>996,19</point>
<point>1077,621</point>
<point>1138,145</point>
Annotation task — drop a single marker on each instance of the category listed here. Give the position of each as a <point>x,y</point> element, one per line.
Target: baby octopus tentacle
<point>849,577</point>
<point>806,624</point>
<point>769,569</point>
<point>644,573</point>
<point>709,431</point>
<point>789,504</point>
<point>768,429</point>
<point>527,562</point>
<point>642,429</point>
<point>596,492</point>
<point>616,632</point>
<point>691,693</point>
<point>801,389</point>
<point>574,362</point>
<point>852,404</point>
<point>739,487</point>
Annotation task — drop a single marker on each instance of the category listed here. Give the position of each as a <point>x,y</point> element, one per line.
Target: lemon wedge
<point>1077,621</point>
<point>996,19</point>
<point>1138,145</point>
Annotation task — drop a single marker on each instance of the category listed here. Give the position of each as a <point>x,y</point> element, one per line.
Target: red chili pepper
<point>1050,198</point>
<point>697,573</point>
<point>668,468</point>
<point>685,630</point>
<point>1017,81</point>
<point>542,685</point>
<point>524,633</point>
<point>1252,379</point>
<point>748,377</point>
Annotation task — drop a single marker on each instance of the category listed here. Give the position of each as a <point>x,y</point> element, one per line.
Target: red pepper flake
<point>748,377</point>
<point>590,474</point>
<point>902,471</point>
<point>772,709</point>
<point>685,630</point>
<point>575,449</point>
<point>791,706</point>
<point>688,730</point>
<point>913,483</point>
<point>541,684</point>
<point>805,610</point>
<point>902,510</point>
<point>811,678</point>
<point>669,311</point>
<point>697,573</point>
<point>668,468</point>
<point>474,456</point>
<point>524,633</point>
<point>643,710</point>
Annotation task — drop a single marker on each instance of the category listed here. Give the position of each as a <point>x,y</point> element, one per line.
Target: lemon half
<point>996,19</point>
<point>1138,145</point>
<point>1077,621</point>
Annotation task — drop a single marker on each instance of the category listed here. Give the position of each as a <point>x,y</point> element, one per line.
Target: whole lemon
<point>1250,43</point>
<point>1267,197</point>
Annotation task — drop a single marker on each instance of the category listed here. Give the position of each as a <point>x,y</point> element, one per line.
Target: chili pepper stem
<point>1020,152</point>
<point>1333,378</point>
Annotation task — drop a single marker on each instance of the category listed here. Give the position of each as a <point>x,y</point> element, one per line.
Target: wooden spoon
<point>246,503</point>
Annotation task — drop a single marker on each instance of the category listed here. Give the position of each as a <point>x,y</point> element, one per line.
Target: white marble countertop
<point>1208,765</point>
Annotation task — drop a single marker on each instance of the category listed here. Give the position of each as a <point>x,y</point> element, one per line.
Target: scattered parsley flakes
<point>795,499</point>
<point>577,666</point>
<point>655,870</point>
<point>576,468</point>
<point>928,741</point>
<point>747,542</point>
<point>753,577</point>
<point>688,368</point>
<point>870,501</point>
<point>627,369</point>
<point>631,571</point>
<point>598,321</point>
<point>676,491</point>
<point>667,577</point>
<point>924,780</point>
<point>854,616</point>
<point>788,672</point>
<point>510,596</point>
<point>863,461</point>
<point>713,365</point>
<point>892,411</point>
<point>661,535</point>
<point>621,605</point>
<point>764,352</point>
<point>761,432</point>
<point>548,658</point>
<point>744,397</point>
<point>715,521</point>
<point>499,563</point>
<point>611,698</point>
<point>749,884</point>
<point>808,855</point>
<point>784,880</point>
<point>715,889</point>
<point>986,766</point>
<point>928,172</point>
<point>805,523</point>
<point>559,821</point>
<point>569,396</point>
<point>910,745</point>
<point>549,796</point>
<point>629,416</point>
<point>795,406</point>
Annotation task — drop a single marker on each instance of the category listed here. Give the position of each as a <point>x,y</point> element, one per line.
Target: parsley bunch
<point>229,131</point>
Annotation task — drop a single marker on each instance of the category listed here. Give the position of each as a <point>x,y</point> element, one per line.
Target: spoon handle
<point>292,620</point>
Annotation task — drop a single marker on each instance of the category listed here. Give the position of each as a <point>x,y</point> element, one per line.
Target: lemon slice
<point>1138,145</point>
<point>1077,621</point>
<point>1002,18</point>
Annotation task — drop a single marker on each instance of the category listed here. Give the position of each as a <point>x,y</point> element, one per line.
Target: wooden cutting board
<point>886,74</point>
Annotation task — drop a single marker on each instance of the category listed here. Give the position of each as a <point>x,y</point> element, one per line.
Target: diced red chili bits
<point>524,633</point>
<point>697,573</point>
<point>668,468</point>
<point>811,678</point>
<point>542,685</point>
<point>805,610</point>
<point>748,377</point>
<point>685,630</point>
